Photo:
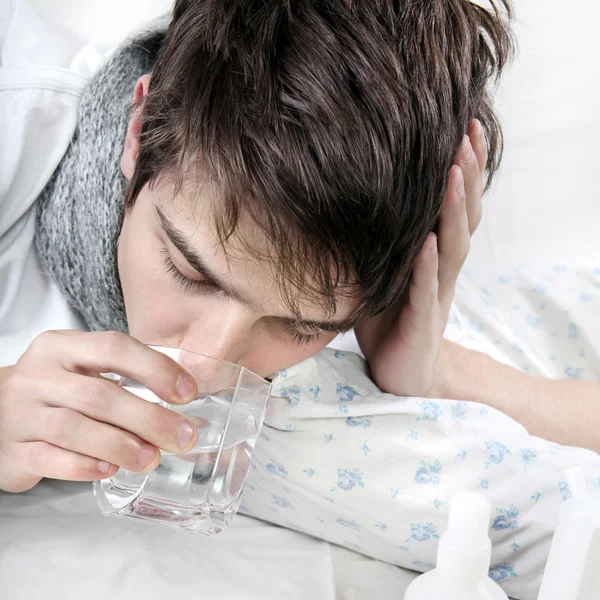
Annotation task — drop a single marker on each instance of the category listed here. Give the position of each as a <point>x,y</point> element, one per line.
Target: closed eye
<point>309,334</point>
<point>189,285</point>
<point>194,285</point>
<point>302,338</point>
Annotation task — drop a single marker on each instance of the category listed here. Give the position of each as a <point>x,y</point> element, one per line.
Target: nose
<point>224,334</point>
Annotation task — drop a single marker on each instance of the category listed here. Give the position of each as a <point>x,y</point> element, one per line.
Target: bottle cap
<point>576,482</point>
<point>465,548</point>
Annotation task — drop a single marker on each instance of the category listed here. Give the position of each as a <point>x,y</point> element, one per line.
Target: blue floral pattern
<point>431,411</point>
<point>422,565</point>
<point>276,468</point>
<point>349,478</point>
<point>315,390</point>
<point>564,490</point>
<point>497,452</point>
<point>528,455</point>
<point>459,410</point>
<point>348,523</point>
<point>500,572</point>
<point>345,392</point>
<point>506,518</point>
<point>421,532</point>
<point>293,393</point>
<point>355,448</point>
<point>428,472</point>
<point>358,422</point>
<point>283,502</point>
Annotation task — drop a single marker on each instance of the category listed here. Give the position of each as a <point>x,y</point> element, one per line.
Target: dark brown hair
<point>334,123</point>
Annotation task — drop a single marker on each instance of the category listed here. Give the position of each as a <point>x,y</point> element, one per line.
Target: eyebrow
<point>178,239</point>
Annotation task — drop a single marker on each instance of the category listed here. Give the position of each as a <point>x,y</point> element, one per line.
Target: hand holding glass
<point>199,491</point>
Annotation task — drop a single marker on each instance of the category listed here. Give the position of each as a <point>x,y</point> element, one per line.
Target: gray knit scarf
<point>80,211</point>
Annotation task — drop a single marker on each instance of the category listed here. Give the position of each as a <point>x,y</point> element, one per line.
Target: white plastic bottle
<point>463,558</point>
<point>573,568</point>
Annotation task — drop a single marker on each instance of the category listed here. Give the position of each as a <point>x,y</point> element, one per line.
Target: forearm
<point>566,412</point>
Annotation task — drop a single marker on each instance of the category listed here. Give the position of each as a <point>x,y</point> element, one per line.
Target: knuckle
<point>109,342</point>
<point>161,424</point>
<point>129,451</point>
<point>471,167</point>
<point>35,458</point>
<point>166,366</point>
<point>14,386</point>
<point>12,409</point>
<point>56,426</point>
<point>44,341</point>
<point>47,342</point>
<point>21,467</point>
<point>78,468</point>
<point>94,398</point>
<point>153,418</point>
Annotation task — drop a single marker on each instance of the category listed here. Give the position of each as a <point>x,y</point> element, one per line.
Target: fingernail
<point>104,467</point>
<point>186,387</point>
<point>186,433</point>
<point>467,152</point>
<point>433,247</point>
<point>147,454</point>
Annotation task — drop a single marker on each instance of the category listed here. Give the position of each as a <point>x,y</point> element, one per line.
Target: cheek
<point>158,310</point>
<point>268,356</point>
<point>149,299</point>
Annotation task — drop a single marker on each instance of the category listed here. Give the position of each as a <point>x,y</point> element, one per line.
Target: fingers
<point>461,210</point>
<point>423,290</point>
<point>60,419</point>
<point>479,145</point>
<point>104,401</point>
<point>70,430</point>
<point>111,351</point>
<point>472,159</point>
<point>453,237</point>
<point>45,460</point>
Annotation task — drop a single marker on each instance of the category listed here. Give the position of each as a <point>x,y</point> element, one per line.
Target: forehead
<point>247,258</point>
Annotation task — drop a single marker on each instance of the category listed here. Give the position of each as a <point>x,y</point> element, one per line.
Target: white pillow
<point>375,473</point>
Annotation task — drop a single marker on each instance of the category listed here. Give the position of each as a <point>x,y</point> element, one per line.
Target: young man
<point>293,170</point>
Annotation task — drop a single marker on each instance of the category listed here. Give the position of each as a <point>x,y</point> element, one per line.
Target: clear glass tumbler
<point>199,491</point>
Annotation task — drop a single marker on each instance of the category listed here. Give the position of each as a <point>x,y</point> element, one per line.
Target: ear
<point>132,141</point>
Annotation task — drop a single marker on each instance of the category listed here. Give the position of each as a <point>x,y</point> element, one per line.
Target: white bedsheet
<point>53,541</point>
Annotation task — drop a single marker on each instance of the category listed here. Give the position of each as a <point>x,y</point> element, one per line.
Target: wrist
<point>443,383</point>
<point>460,373</point>
<point>465,374</point>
